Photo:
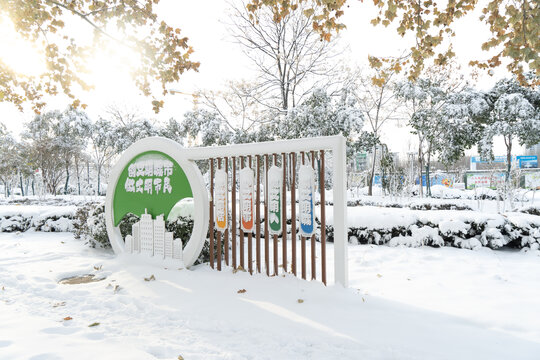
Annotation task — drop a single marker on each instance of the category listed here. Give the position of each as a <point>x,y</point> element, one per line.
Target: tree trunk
<point>67,180</point>
<point>428,180</point>
<point>508,158</point>
<point>98,181</point>
<point>21,183</point>
<point>372,174</point>
<point>421,161</point>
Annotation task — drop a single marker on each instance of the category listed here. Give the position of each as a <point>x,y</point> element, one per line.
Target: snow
<point>422,303</point>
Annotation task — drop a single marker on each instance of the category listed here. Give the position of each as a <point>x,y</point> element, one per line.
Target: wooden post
<point>258,216</point>
<point>302,238</point>
<point>219,233</point>
<point>284,212</point>
<point>233,215</point>
<point>293,213</point>
<point>323,220</point>
<point>275,249</point>
<point>250,235</point>
<point>226,244</point>
<point>211,213</point>
<point>266,234</point>
<point>313,242</point>
<point>241,231</point>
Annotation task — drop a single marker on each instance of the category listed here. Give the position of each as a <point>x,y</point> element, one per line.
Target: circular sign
<point>151,177</point>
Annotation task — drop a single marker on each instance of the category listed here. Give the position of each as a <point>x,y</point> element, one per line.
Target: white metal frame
<point>334,143</point>
<point>185,158</point>
<point>200,195</point>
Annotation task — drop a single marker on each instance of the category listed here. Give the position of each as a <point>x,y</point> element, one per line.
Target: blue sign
<point>496,159</point>
<point>528,161</point>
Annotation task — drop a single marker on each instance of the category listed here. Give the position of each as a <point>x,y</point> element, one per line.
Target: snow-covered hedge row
<point>464,229</point>
<point>413,205</point>
<point>40,218</point>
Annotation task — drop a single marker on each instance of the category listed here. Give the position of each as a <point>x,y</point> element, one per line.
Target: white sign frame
<point>201,215</point>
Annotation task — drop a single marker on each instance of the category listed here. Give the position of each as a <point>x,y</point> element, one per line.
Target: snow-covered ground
<point>402,303</point>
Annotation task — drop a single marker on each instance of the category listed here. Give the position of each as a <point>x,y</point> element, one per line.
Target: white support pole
<point>341,273</point>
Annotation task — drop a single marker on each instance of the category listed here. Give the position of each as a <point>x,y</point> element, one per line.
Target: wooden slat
<point>293,213</point>
<point>233,215</point>
<point>313,242</point>
<point>250,235</point>
<point>211,227</point>
<point>219,233</point>
<point>266,234</point>
<point>258,216</point>
<point>302,238</point>
<point>241,231</point>
<point>226,240</point>
<point>275,248</point>
<point>284,212</point>
<point>323,219</point>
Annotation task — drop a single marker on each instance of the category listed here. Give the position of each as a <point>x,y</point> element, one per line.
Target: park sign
<point>152,177</point>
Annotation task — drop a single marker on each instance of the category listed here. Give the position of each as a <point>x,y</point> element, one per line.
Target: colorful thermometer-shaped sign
<point>306,185</point>
<point>220,200</point>
<point>246,199</point>
<point>275,188</point>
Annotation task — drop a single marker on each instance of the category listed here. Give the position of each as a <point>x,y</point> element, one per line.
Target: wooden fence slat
<point>219,233</point>
<point>293,213</point>
<point>313,242</point>
<point>226,240</point>
<point>233,209</point>
<point>266,234</point>
<point>284,212</point>
<point>211,213</point>
<point>241,231</point>
<point>258,216</point>
<point>302,238</point>
<point>323,219</point>
<point>250,235</point>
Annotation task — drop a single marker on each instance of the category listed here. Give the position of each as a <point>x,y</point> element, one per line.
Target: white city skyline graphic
<point>148,237</point>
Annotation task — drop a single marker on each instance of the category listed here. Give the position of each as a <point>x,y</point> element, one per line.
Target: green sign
<point>153,181</point>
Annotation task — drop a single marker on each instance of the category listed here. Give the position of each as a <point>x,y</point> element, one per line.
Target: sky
<point>204,22</point>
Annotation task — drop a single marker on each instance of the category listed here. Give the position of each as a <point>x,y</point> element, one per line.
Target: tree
<point>163,53</point>
<point>514,115</point>
<point>424,99</point>
<point>376,98</point>
<point>44,149</point>
<point>320,115</point>
<point>287,52</point>
<point>515,34</point>
<point>461,119</point>
<point>103,137</point>
<point>8,158</point>
<point>71,133</point>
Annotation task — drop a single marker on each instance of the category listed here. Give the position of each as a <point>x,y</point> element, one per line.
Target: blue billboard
<point>528,161</point>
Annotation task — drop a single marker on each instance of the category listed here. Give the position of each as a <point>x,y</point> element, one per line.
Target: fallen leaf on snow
<point>62,303</point>
<point>93,324</point>
<point>379,275</point>
<point>67,318</point>
<point>300,301</point>
<point>151,278</point>
<point>97,268</point>
<point>241,291</point>
<point>116,288</point>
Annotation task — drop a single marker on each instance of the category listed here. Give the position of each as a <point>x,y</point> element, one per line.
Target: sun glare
<point>20,55</point>
<point>109,69</point>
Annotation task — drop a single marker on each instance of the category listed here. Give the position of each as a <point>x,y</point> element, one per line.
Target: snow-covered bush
<point>89,225</point>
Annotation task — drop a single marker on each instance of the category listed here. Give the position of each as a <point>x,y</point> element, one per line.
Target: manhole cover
<point>80,279</point>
